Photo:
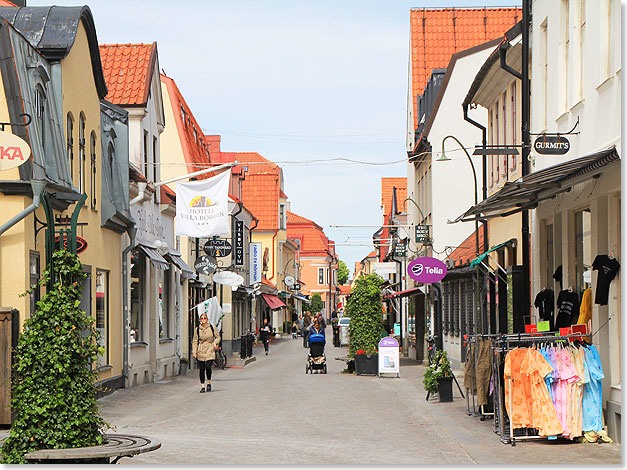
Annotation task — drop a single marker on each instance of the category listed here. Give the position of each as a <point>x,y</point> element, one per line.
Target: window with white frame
<point>497,129</point>
<point>490,123</point>
<point>504,158</point>
<point>320,276</point>
<point>565,46</point>
<point>513,123</point>
<point>282,217</point>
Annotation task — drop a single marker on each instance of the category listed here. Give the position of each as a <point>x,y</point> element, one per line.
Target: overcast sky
<point>294,81</point>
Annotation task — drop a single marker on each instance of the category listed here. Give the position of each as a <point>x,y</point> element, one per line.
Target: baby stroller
<point>316,360</point>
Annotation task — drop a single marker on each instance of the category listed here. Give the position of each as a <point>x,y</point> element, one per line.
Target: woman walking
<point>204,345</point>
<point>265,333</point>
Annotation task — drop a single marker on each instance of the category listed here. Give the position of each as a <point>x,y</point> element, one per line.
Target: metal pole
<point>197,173</point>
<point>526,137</point>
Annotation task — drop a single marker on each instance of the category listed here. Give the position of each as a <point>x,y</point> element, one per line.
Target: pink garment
<point>562,391</point>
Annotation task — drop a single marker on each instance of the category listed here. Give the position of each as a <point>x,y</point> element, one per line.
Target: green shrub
<point>366,314</point>
<point>53,392</point>
<point>440,368</point>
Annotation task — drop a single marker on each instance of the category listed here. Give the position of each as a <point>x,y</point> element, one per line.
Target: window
<point>70,142</point>
<point>320,276</point>
<point>154,166</point>
<point>81,154</point>
<point>504,113</point>
<point>544,48</point>
<point>35,273</point>
<point>491,143</point>
<point>580,46</point>
<point>497,139</point>
<point>110,161</point>
<point>164,304</point>
<point>514,124</point>
<point>102,315</point>
<point>145,161</point>
<point>282,222</point>
<point>40,110</point>
<point>565,43</point>
<point>92,182</point>
<point>138,274</point>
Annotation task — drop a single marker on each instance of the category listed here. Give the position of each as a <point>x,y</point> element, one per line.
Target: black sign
<point>422,233</point>
<point>81,243</point>
<point>239,243</point>
<point>205,265</point>
<point>218,248</point>
<point>551,145</point>
<point>400,250</point>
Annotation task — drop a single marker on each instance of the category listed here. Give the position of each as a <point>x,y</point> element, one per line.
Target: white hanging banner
<point>202,207</point>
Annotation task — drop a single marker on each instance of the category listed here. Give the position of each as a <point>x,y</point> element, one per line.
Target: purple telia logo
<point>426,270</point>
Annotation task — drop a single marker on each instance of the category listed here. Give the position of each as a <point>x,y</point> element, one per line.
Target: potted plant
<point>184,365</point>
<point>438,377</point>
<point>365,311</point>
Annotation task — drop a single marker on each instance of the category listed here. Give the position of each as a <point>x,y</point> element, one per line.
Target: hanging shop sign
<point>228,278</point>
<point>426,270</point>
<point>238,241</point>
<point>218,248</point>
<point>551,145</point>
<point>384,268</point>
<point>205,265</point>
<point>400,250</point>
<point>389,356</point>
<point>255,263</point>
<point>422,233</point>
<point>81,243</point>
<point>13,151</point>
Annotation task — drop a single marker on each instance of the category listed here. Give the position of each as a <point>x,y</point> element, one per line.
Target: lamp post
<point>444,158</point>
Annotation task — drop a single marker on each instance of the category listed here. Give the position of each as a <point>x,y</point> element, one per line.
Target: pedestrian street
<point>271,412</point>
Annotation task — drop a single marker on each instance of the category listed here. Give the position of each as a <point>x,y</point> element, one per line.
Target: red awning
<point>273,301</point>
<point>404,293</point>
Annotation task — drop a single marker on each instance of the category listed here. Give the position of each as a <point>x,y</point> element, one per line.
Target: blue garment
<point>549,378</point>
<point>592,402</point>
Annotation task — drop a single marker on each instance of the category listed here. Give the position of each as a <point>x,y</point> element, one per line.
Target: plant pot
<point>445,389</point>
<point>366,364</point>
<point>182,368</point>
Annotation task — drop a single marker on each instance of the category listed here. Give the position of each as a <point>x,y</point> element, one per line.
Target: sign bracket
<point>17,124</point>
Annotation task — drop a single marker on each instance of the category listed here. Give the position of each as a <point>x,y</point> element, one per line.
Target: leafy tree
<point>342,273</point>
<point>366,314</point>
<point>53,392</point>
<point>316,303</point>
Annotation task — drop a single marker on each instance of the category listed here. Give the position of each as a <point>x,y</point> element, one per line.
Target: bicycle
<point>431,350</point>
<point>220,359</point>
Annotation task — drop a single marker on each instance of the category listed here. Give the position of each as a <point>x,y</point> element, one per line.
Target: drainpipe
<point>273,254</point>
<point>438,316</point>
<point>141,187</point>
<point>132,231</point>
<point>38,188</point>
<point>484,171</point>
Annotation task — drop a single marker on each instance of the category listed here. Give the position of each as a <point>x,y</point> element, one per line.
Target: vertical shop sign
<point>238,243</point>
<point>255,263</point>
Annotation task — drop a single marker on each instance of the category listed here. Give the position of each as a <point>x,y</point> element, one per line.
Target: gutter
<point>141,186</point>
<point>132,231</point>
<point>38,189</point>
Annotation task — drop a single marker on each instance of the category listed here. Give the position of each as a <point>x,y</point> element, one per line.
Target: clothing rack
<point>502,345</point>
<point>472,340</point>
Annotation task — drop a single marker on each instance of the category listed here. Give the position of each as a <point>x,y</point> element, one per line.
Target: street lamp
<point>444,158</point>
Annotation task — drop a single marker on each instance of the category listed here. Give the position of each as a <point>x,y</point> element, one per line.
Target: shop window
<point>81,154</point>
<point>35,273</point>
<point>164,304</point>
<point>102,315</point>
<point>583,251</point>
<point>69,137</point>
<point>92,183</point>
<point>138,280</point>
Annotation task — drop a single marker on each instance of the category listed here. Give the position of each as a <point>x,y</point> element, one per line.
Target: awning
<point>526,192</point>
<point>156,259</point>
<point>482,256</point>
<point>186,271</point>
<point>300,297</point>
<point>273,301</point>
<point>404,293</point>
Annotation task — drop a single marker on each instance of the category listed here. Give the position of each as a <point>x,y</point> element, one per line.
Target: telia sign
<point>426,270</point>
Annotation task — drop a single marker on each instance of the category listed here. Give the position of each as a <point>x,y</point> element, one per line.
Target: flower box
<point>445,389</point>
<point>366,364</point>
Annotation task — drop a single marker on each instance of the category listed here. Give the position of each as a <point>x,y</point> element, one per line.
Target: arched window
<point>70,143</point>
<point>92,186</point>
<point>81,154</point>
<point>40,115</point>
<point>110,158</point>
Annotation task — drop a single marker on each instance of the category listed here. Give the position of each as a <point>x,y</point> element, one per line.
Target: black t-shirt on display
<point>545,301</point>
<point>607,267</point>
<point>567,308</point>
<point>557,275</point>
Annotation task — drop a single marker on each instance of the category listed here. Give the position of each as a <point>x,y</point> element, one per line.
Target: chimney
<point>214,143</point>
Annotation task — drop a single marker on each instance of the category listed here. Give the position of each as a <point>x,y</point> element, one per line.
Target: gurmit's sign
<point>426,270</point>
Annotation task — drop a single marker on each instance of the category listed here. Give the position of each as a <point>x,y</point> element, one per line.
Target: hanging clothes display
<point>607,267</point>
<point>567,308</point>
<point>585,310</point>
<point>592,402</point>
<point>545,302</point>
<point>483,371</point>
<point>557,275</point>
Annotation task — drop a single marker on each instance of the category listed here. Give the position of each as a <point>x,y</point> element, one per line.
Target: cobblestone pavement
<point>270,412</point>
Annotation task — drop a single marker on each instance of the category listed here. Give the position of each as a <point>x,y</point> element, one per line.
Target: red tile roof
<point>6,3</point>
<point>344,290</point>
<point>313,241</point>
<point>195,149</point>
<point>167,195</point>
<point>437,34</point>
<point>387,184</point>
<point>467,251</point>
<point>128,69</point>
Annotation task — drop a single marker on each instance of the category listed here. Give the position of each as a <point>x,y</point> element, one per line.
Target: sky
<point>295,81</point>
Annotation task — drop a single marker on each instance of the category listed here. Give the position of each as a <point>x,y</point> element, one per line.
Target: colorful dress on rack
<point>543,415</point>
<point>575,423</point>
<point>563,388</point>
<point>592,402</point>
<point>518,393</point>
